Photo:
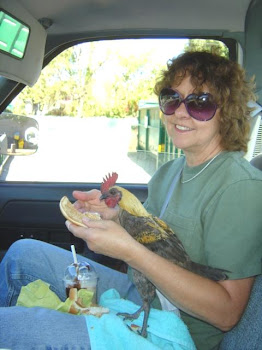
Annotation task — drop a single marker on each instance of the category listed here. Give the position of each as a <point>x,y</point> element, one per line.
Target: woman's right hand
<point>90,201</point>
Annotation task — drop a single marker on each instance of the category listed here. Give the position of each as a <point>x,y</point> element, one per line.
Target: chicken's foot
<point>145,307</point>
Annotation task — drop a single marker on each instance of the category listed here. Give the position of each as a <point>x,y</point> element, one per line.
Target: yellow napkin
<point>38,293</point>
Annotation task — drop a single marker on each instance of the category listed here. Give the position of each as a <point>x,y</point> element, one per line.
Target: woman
<point>215,200</point>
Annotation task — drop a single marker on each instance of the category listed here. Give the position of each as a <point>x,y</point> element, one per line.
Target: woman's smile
<point>182,128</point>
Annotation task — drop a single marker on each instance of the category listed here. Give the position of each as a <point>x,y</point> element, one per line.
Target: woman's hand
<point>90,201</point>
<point>105,237</point>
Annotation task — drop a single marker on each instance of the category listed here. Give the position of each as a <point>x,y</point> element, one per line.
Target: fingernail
<point>68,223</point>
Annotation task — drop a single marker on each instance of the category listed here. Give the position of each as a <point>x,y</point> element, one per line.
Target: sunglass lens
<point>201,107</point>
<point>169,101</point>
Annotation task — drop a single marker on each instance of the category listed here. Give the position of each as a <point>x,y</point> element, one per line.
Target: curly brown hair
<point>227,82</point>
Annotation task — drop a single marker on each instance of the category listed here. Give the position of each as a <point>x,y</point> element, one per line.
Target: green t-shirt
<point>217,216</point>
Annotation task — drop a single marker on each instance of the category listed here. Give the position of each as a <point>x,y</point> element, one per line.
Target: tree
<point>50,87</point>
<point>94,79</point>
<point>214,46</point>
<point>134,80</point>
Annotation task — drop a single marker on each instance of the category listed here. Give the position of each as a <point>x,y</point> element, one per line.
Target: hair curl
<point>227,82</point>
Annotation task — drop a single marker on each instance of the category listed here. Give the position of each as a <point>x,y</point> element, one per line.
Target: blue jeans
<point>39,328</point>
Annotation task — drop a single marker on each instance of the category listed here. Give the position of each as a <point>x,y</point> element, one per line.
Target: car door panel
<point>31,210</point>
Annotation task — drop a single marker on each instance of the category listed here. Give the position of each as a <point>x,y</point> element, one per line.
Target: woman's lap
<point>28,260</point>
<point>42,329</point>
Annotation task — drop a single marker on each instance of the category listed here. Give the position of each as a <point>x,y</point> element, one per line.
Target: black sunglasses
<point>200,107</point>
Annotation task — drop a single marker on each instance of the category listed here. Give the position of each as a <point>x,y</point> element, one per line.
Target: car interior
<point>38,172</point>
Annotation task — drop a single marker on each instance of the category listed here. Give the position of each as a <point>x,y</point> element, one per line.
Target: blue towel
<point>166,331</point>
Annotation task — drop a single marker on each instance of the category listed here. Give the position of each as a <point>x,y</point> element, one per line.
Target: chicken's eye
<point>113,191</point>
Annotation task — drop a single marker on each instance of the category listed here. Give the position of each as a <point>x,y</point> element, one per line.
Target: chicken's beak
<point>103,196</point>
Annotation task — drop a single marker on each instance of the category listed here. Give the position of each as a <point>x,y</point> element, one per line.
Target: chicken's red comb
<point>108,181</point>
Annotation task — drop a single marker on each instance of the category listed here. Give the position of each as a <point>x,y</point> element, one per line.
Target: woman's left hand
<point>104,237</point>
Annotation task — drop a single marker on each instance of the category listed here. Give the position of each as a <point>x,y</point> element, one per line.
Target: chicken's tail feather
<point>212,273</point>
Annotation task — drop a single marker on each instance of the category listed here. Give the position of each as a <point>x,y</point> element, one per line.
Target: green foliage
<point>86,80</point>
<point>214,46</point>
<point>106,78</point>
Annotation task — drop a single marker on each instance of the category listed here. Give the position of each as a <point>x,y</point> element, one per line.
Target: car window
<point>97,113</point>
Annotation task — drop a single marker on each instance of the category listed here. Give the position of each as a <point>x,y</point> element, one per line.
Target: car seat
<point>247,334</point>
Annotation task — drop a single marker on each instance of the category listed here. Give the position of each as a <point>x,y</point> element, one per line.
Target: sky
<point>167,48</point>
<point>164,48</point>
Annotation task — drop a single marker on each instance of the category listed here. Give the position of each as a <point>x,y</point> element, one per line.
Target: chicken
<point>154,234</point>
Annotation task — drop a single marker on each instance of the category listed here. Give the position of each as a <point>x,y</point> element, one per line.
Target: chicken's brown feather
<point>158,237</point>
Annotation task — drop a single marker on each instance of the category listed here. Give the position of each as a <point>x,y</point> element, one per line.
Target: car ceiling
<point>81,20</point>
<point>68,21</point>
<point>93,15</point>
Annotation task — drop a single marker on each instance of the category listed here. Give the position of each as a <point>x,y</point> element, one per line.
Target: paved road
<point>78,150</point>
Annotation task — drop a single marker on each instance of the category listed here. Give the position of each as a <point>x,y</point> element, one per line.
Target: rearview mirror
<point>18,135</point>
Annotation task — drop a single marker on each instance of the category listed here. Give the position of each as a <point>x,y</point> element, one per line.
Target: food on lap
<point>80,282</point>
<point>77,302</point>
<point>82,278</point>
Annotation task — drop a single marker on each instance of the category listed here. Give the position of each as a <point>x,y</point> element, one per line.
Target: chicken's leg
<point>146,308</point>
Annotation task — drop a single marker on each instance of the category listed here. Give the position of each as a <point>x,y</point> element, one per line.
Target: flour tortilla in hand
<point>73,215</point>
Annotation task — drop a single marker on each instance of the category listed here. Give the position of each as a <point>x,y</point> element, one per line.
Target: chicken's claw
<point>145,307</point>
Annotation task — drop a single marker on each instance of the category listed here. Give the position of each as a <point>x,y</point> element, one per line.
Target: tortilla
<point>73,215</point>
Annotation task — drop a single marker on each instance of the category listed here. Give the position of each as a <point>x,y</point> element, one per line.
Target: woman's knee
<point>27,254</point>
<point>23,248</point>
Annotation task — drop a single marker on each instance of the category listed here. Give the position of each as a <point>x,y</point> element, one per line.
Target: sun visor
<point>23,45</point>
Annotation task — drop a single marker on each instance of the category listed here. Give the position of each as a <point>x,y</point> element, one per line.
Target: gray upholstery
<point>257,162</point>
<point>247,335</point>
